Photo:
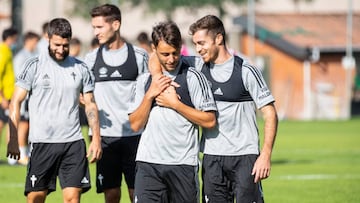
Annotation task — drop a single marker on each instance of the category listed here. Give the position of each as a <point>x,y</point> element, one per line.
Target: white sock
<point>23,151</point>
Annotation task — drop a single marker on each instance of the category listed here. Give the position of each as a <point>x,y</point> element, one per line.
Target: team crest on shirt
<point>73,75</point>
<point>103,72</point>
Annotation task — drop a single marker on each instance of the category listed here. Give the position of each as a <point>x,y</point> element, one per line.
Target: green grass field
<point>315,161</point>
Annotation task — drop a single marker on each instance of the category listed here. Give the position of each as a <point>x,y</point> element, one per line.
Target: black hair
<point>61,27</point>
<point>109,11</point>
<point>168,32</point>
<point>9,32</point>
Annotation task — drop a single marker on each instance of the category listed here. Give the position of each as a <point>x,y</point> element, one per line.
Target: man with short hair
<point>167,157</point>
<point>116,65</point>
<point>233,164</point>
<point>54,81</point>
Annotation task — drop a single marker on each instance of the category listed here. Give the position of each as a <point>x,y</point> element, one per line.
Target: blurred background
<point>308,50</point>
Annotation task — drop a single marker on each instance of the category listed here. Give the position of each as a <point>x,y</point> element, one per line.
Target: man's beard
<point>53,55</point>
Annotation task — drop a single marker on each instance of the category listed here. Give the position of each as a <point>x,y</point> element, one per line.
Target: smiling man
<point>54,81</point>
<point>167,156</point>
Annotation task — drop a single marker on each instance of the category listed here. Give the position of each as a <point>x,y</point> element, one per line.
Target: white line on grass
<point>319,177</point>
<point>12,185</point>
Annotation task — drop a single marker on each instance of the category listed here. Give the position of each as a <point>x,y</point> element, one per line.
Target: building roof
<point>298,34</point>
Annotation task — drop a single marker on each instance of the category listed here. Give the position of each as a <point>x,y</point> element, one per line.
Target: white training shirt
<point>169,138</point>
<point>54,97</point>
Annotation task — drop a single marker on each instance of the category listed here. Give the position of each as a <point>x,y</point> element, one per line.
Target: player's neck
<point>223,56</point>
<point>117,43</point>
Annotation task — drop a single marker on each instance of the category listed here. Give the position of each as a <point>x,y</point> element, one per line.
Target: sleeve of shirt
<point>138,93</point>
<point>26,77</point>
<point>142,59</point>
<point>90,58</point>
<point>18,63</point>
<point>200,91</point>
<point>88,79</point>
<point>193,61</point>
<point>255,84</point>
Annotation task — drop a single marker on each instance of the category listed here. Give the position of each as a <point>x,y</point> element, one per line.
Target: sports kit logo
<point>116,74</point>
<point>218,91</point>
<point>103,72</point>
<point>46,81</point>
<point>84,180</point>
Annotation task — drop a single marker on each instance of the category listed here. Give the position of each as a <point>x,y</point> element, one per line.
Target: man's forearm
<point>92,116</point>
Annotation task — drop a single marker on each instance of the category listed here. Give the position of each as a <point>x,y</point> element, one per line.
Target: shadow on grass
<point>289,161</point>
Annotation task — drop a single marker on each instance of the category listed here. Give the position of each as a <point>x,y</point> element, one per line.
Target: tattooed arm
<point>92,115</point>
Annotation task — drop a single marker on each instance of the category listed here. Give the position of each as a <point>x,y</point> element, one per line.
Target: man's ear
<point>116,24</point>
<point>219,39</point>
<point>153,48</point>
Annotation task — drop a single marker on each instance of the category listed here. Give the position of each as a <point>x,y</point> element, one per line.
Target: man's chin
<point>58,59</point>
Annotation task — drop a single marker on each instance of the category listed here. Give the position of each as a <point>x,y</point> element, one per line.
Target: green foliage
<point>82,7</point>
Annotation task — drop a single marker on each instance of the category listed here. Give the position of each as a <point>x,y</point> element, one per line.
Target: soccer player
<point>167,156</point>
<point>116,65</point>
<point>54,81</point>
<point>233,164</point>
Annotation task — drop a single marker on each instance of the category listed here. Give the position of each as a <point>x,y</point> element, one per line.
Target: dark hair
<point>143,38</point>
<point>61,27</point>
<point>94,42</point>
<point>109,11</point>
<point>75,41</point>
<point>45,27</point>
<point>9,32</point>
<point>168,32</point>
<point>31,35</point>
<point>211,23</point>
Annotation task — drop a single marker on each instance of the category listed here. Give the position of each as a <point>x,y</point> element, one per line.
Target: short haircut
<point>168,32</point>
<point>110,12</point>
<point>143,38</point>
<point>75,41</point>
<point>9,32</point>
<point>211,23</point>
<point>61,27</point>
<point>31,35</point>
<point>45,27</point>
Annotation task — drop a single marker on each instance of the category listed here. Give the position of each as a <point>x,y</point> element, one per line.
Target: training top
<point>168,137</point>
<point>236,132</point>
<point>54,90</point>
<point>113,93</point>
<point>7,76</point>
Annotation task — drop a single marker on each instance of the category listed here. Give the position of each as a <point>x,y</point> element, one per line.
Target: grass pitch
<point>313,161</point>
